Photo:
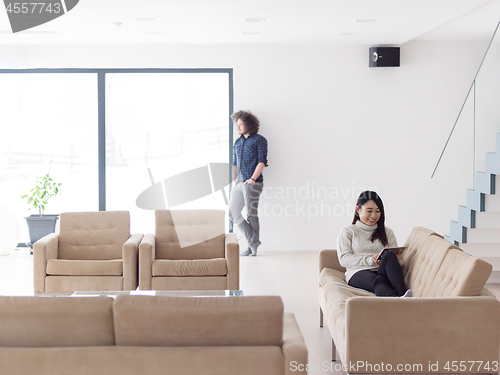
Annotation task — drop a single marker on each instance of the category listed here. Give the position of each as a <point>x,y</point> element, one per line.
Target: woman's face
<point>369,213</point>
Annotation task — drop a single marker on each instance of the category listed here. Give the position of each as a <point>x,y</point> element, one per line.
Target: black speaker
<point>384,56</point>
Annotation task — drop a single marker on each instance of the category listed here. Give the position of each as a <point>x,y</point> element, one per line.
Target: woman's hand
<point>374,258</point>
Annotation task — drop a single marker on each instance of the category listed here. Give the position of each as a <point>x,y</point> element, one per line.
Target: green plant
<point>45,188</point>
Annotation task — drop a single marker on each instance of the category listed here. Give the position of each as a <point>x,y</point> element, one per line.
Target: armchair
<point>189,251</point>
<point>93,251</point>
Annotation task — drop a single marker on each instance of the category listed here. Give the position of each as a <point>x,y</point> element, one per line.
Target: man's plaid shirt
<point>247,153</point>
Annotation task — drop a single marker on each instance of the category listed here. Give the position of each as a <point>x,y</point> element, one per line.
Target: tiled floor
<point>293,275</point>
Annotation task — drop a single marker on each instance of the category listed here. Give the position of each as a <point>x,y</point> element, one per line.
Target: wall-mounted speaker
<point>384,56</point>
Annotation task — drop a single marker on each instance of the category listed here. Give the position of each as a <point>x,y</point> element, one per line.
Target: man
<point>249,159</point>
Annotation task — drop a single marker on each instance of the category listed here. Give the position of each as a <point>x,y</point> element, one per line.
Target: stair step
<point>466,217</point>
<point>485,183</point>
<point>449,240</point>
<point>489,252</point>
<point>492,203</point>
<point>487,220</point>
<point>494,278</point>
<point>479,250</point>
<point>475,200</point>
<point>480,235</point>
<point>492,163</point>
<point>457,232</point>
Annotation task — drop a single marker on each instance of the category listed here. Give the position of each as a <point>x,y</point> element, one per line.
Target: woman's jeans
<point>387,281</point>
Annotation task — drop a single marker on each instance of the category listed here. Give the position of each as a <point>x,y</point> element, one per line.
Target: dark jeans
<point>387,281</point>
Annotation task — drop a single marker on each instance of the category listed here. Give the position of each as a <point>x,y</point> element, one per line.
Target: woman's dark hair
<point>379,233</point>
<point>251,122</point>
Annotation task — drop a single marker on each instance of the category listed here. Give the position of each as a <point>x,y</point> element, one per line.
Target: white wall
<point>334,125</point>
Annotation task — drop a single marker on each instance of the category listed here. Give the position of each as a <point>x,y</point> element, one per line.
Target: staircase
<point>477,231</point>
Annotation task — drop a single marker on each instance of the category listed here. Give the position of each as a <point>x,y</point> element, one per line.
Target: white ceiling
<point>286,21</point>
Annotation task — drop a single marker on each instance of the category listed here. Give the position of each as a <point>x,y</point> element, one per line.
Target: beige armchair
<point>93,251</point>
<point>189,251</point>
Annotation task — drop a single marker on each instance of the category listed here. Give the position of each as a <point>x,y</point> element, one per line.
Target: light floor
<point>293,275</point>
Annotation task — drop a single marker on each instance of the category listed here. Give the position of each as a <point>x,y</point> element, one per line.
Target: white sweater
<point>355,249</point>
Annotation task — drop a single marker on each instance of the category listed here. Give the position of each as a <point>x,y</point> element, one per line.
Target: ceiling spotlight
<point>117,24</point>
<point>257,19</point>
<point>250,33</point>
<point>347,34</point>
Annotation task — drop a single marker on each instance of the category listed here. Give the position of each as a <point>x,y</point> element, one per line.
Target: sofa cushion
<point>198,321</point>
<point>85,267</point>
<point>415,240</point>
<point>429,258</point>
<point>93,235</point>
<point>460,275</point>
<point>190,234</point>
<point>55,321</point>
<point>133,360</point>
<point>189,283</point>
<point>195,267</point>
<point>337,292</point>
<point>69,284</point>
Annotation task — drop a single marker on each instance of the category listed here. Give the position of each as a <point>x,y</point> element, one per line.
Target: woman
<point>359,244</point>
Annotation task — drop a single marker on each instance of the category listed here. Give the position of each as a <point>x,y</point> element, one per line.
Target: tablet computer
<point>395,250</point>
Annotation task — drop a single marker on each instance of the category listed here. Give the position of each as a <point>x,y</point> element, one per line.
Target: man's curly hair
<point>251,122</point>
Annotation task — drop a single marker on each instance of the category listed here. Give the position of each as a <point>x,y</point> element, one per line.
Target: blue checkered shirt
<point>247,153</point>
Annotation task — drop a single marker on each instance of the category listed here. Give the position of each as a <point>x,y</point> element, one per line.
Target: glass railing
<point>472,136</point>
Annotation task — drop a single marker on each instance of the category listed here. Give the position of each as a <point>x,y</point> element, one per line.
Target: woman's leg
<point>372,282</point>
<point>390,269</point>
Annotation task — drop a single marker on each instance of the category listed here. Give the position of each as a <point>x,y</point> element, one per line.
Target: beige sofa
<point>135,335</point>
<point>451,326</point>
<point>189,251</point>
<point>92,251</point>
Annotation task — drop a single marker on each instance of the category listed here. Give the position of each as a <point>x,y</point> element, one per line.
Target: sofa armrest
<point>329,259</point>
<point>232,253</point>
<point>45,248</point>
<point>294,346</point>
<point>130,255</point>
<point>422,332</point>
<point>147,254</point>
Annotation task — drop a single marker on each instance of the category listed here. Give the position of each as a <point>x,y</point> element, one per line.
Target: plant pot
<point>40,226</point>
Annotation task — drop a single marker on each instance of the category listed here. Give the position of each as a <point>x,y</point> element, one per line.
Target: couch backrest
<point>428,259</point>
<point>55,322</point>
<point>190,234</point>
<point>93,235</point>
<point>202,321</point>
<point>436,268</point>
<point>460,275</point>
<point>414,241</point>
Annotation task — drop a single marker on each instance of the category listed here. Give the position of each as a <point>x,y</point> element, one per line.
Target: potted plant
<point>40,225</point>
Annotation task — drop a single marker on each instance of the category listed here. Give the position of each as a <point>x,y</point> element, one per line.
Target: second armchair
<point>189,251</point>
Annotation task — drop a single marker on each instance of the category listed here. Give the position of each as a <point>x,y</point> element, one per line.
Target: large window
<point>108,143</point>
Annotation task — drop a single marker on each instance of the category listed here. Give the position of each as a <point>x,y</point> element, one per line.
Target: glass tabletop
<point>168,293</point>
